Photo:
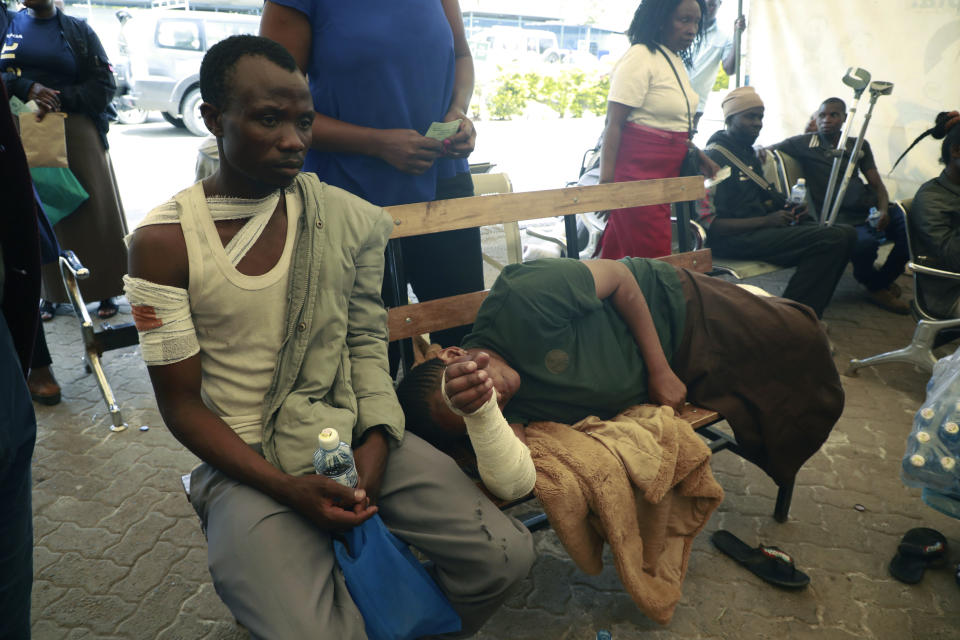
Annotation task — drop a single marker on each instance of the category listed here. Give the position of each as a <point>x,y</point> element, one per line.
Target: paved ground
<point>119,553</point>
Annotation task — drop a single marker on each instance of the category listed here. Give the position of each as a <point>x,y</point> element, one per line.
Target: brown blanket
<point>640,482</point>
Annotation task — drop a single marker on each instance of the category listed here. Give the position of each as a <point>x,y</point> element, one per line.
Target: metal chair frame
<point>920,350</point>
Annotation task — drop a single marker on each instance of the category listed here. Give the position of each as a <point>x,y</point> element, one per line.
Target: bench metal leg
<point>781,511</point>
<point>919,352</point>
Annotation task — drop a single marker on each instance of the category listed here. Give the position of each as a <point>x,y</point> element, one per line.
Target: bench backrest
<point>410,320</point>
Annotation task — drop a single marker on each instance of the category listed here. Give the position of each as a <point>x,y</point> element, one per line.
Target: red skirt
<point>645,153</point>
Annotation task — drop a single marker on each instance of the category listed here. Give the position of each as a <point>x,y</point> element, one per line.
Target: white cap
<point>801,181</point>
<point>329,439</point>
<point>917,460</point>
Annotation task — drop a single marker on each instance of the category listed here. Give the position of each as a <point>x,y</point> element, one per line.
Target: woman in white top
<point>649,111</point>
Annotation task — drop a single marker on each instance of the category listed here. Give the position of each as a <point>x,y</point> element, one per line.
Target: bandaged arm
<point>164,324</point>
<point>504,463</point>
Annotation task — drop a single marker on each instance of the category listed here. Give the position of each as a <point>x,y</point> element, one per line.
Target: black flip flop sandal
<point>107,309</point>
<point>47,310</point>
<point>919,549</point>
<point>767,563</point>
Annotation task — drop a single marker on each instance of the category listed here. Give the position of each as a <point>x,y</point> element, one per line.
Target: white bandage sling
<point>503,461</point>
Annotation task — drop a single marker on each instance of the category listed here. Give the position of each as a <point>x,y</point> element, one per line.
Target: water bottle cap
<point>801,181</point>
<point>329,439</point>
<point>927,413</point>
<point>923,436</point>
<point>917,460</point>
<point>951,428</point>
<point>947,463</point>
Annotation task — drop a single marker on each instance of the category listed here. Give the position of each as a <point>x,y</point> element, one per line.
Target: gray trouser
<point>277,572</point>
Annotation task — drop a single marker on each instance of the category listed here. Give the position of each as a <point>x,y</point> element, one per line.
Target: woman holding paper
<point>381,73</point>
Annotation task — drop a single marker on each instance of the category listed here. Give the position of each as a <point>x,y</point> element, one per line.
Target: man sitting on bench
<point>256,293</point>
<point>814,152</point>
<point>563,339</point>
<point>753,222</point>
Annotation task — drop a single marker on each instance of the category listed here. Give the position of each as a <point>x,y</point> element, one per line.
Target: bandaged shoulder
<point>164,323</point>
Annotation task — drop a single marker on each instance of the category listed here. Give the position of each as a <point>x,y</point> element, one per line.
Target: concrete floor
<point>119,551</point>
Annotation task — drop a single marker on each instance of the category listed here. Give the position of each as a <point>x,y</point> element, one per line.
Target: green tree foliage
<point>569,92</point>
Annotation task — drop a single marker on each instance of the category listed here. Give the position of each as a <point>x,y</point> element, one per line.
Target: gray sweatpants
<point>277,572</point>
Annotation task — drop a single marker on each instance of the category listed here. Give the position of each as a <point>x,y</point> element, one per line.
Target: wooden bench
<point>411,320</point>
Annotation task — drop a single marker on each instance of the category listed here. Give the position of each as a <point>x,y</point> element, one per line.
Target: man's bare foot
<point>43,386</point>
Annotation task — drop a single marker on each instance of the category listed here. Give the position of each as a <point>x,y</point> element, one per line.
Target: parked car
<point>502,45</point>
<point>163,50</point>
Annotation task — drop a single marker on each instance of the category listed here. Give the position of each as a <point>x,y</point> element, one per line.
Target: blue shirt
<point>382,64</point>
<point>35,48</point>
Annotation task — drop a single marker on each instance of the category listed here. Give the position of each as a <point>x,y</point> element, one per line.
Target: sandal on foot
<point>107,309</point>
<point>768,563</point>
<point>47,310</point>
<point>919,549</point>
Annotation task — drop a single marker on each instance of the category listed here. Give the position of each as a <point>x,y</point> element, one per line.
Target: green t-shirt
<point>574,353</point>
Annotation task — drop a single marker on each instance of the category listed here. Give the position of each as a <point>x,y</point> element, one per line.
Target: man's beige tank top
<point>239,319</point>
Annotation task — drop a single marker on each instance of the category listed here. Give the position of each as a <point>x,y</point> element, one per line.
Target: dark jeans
<point>41,353</point>
<point>18,431</point>
<point>438,265</point>
<point>820,255</point>
<point>865,252</point>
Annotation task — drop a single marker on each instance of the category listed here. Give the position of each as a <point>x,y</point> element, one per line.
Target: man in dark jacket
<point>20,293</point>
<point>754,223</point>
<point>814,152</point>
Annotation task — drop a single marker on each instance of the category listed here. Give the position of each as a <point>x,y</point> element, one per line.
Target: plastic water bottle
<point>874,218</point>
<point>798,193</point>
<point>949,433</point>
<point>923,465</point>
<point>925,416</point>
<point>334,459</point>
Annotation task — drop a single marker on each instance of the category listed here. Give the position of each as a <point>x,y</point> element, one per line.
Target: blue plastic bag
<point>396,596</point>
<point>932,458</point>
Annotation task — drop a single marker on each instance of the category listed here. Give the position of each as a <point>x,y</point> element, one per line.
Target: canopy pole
<point>736,43</point>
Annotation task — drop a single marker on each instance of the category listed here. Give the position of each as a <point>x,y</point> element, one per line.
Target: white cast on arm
<point>503,461</point>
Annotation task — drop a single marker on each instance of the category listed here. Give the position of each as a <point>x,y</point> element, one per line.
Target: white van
<point>164,49</point>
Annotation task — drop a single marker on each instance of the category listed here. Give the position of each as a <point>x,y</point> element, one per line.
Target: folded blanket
<point>640,482</point>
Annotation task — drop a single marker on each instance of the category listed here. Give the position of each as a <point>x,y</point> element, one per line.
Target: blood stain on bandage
<point>145,317</point>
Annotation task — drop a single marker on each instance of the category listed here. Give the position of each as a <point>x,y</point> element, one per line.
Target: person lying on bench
<point>562,339</point>
<point>754,223</point>
<point>256,293</point>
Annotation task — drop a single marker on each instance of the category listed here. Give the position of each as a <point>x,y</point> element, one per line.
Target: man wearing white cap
<point>754,223</point>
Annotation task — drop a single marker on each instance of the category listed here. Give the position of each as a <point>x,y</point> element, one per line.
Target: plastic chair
<point>488,183</point>
<point>920,350</point>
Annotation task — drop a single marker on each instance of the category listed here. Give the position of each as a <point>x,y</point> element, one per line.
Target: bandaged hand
<point>468,384</point>
<point>503,462</point>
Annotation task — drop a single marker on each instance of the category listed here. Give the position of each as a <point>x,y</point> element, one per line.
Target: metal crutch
<point>71,270</point>
<point>877,88</point>
<point>857,79</point>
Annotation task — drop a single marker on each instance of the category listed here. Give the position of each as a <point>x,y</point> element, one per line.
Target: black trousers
<point>41,353</point>
<point>820,255</point>
<point>438,265</point>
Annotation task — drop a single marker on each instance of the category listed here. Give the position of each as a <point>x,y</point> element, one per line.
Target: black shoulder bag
<point>691,162</point>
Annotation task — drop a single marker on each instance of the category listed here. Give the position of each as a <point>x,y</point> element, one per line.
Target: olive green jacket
<point>332,368</point>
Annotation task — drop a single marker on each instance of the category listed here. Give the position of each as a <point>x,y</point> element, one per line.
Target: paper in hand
<point>720,176</point>
<point>443,130</point>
